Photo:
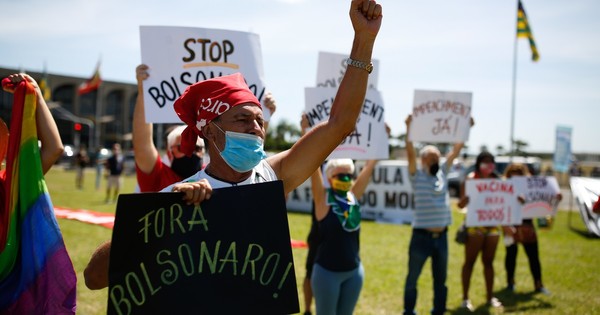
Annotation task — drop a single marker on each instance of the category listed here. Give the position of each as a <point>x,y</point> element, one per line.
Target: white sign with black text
<point>441,117</point>
<point>181,56</point>
<point>369,139</point>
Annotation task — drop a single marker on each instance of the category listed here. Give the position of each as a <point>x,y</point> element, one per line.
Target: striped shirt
<point>432,202</point>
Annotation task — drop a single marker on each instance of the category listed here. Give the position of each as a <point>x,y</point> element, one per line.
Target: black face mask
<point>186,166</point>
<point>433,169</point>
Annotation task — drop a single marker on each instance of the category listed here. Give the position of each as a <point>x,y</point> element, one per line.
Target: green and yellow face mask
<point>342,183</point>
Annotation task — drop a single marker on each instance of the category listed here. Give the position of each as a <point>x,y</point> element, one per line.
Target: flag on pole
<point>45,87</point>
<point>36,273</point>
<point>93,83</point>
<point>524,31</point>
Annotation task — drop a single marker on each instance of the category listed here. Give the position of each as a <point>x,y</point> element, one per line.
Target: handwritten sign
<point>540,195</point>
<point>369,139</point>
<point>230,255</point>
<point>562,149</point>
<point>388,197</point>
<point>441,117</point>
<point>332,67</point>
<point>181,56</point>
<point>492,202</point>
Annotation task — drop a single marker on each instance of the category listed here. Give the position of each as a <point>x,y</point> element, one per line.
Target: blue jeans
<point>336,292</point>
<point>424,244</point>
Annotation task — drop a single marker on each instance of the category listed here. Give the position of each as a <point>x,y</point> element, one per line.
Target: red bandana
<point>206,100</point>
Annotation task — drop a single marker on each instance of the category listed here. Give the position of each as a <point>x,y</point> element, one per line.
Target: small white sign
<point>492,202</point>
<point>369,140</point>
<point>441,117</point>
<point>181,56</point>
<point>540,194</point>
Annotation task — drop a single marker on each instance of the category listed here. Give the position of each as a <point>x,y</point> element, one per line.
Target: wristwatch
<point>360,64</point>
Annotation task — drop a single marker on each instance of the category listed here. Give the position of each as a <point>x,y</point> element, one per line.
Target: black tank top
<point>339,249</point>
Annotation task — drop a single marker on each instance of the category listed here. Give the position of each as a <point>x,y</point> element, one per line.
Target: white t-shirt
<point>261,173</point>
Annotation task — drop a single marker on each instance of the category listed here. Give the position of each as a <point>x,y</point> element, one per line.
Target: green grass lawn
<point>569,261</point>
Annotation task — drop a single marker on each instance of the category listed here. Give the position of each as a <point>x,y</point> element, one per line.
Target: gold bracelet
<point>360,64</point>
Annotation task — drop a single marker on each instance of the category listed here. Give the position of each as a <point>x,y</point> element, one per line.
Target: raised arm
<point>363,179</point>
<point>297,164</point>
<point>411,155</point>
<point>456,150</point>
<point>271,106</point>
<point>144,151</point>
<point>318,192</point>
<point>47,131</point>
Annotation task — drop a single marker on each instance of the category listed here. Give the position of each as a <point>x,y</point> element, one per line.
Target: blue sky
<point>460,45</point>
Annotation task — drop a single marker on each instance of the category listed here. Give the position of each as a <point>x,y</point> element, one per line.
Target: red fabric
<point>12,154</point>
<point>160,177</point>
<point>206,100</point>
<point>597,206</point>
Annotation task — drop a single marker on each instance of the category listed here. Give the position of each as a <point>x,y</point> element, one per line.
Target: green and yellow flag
<point>45,87</point>
<point>524,31</point>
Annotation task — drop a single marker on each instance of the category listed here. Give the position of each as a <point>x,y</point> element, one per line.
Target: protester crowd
<point>226,150</point>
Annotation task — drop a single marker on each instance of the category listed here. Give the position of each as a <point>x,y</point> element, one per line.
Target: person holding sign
<point>338,273</point>
<point>152,173</point>
<point>480,239</point>
<point>526,235</point>
<point>228,116</point>
<point>431,220</point>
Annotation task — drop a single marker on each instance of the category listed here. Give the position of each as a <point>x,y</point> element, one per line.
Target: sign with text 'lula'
<point>369,139</point>
<point>388,197</point>
<point>229,255</point>
<point>441,117</point>
<point>332,67</point>
<point>181,56</point>
<point>492,202</point>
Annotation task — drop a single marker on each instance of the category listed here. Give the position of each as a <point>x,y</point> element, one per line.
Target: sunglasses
<point>344,176</point>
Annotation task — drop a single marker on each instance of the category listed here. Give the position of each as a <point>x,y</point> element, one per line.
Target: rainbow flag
<point>36,273</point>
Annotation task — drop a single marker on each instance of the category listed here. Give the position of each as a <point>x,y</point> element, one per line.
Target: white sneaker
<point>542,290</point>
<point>494,302</point>
<point>467,304</point>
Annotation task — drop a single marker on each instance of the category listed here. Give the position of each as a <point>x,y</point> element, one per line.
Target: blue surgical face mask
<point>242,151</point>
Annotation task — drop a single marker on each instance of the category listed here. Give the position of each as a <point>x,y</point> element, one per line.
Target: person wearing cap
<point>225,113</point>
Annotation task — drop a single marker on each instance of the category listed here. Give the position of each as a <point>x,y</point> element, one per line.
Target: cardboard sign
<point>388,197</point>
<point>540,195</point>
<point>181,56</point>
<point>441,117</point>
<point>492,202</point>
<point>562,149</point>
<point>369,139</point>
<point>332,67</point>
<point>230,255</point>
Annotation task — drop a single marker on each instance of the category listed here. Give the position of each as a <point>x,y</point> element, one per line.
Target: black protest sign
<point>230,255</point>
